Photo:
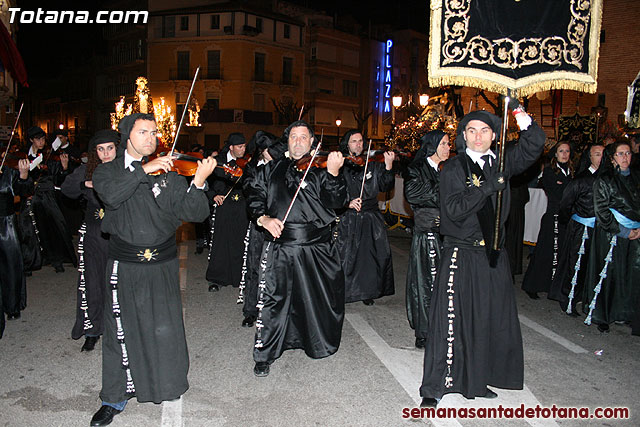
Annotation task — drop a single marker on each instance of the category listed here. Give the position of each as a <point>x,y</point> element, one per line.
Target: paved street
<point>47,381</point>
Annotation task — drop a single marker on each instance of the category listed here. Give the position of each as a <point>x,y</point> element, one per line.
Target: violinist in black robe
<point>268,148</point>
<point>362,236</point>
<point>422,191</point>
<point>612,286</point>
<point>544,262</point>
<point>474,333</point>
<point>301,302</point>
<point>576,210</point>
<point>72,209</point>
<point>229,219</point>
<point>13,289</point>
<point>144,349</point>
<point>42,223</point>
<point>93,245</point>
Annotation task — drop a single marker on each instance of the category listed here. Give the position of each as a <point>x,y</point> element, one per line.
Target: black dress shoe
<point>490,394</point>
<point>261,369</point>
<point>59,268</point>
<point>428,402</point>
<point>199,250</point>
<point>213,287</point>
<point>420,342</point>
<point>104,416</point>
<point>533,295</point>
<point>603,327</point>
<point>28,273</point>
<point>89,344</point>
<point>13,316</point>
<point>247,322</point>
<point>368,302</point>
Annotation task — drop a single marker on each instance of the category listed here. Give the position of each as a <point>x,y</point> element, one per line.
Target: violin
<point>13,158</point>
<point>186,164</point>
<point>320,161</point>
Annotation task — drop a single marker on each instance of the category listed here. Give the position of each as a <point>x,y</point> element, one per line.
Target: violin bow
<point>6,152</point>
<point>186,107</point>
<point>366,164</point>
<point>301,110</point>
<point>295,196</point>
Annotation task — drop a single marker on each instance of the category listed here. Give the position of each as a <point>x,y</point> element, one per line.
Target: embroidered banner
<point>524,45</point>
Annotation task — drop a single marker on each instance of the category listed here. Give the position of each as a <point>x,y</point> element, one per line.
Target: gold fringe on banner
<point>494,82</point>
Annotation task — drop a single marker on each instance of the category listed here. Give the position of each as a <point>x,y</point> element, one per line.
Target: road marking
<point>172,411</point>
<point>551,335</point>
<point>406,368</point>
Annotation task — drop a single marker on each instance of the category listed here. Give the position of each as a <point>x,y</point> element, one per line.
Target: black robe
<point>13,289</point>
<point>229,227</point>
<point>302,284</point>
<point>42,224</point>
<point>422,191</point>
<point>544,262</point>
<point>93,249</point>
<point>145,211</point>
<point>362,236</point>
<point>618,297</point>
<point>473,319</point>
<point>515,223</point>
<point>577,199</point>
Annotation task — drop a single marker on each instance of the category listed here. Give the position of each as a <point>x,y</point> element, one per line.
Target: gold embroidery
<point>235,197</point>
<point>476,180</point>
<point>99,213</point>
<point>148,255</point>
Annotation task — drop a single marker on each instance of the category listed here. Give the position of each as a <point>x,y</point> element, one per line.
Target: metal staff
<point>493,259</point>
<point>186,107</point>
<point>366,164</point>
<point>6,152</point>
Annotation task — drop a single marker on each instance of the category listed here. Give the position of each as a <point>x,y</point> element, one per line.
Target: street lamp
<point>338,123</point>
<point>61,126</point>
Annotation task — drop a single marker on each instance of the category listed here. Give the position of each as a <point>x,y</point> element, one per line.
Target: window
<point>215,22</point>
<point>259,24</point>
<point>258,102</point>
<point>181,99</point>
<point>213,64</point>
<point>183,66</point>
<point>212,101</point>
<point>314,52</point>
<point>259,67</point>
<point>184,23</point>
<point>287,71</point>
<point>168,26</point>
<point>350,88</point>
<point>287,31</point>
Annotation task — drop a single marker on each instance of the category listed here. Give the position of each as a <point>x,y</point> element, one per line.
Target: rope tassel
<point>603,275</point>
<point>448,379</point>
<point>574,280</point>
<point>244,266</point>
<point>119,329</point>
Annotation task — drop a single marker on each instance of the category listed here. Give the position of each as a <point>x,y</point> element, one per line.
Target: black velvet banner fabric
<point>523,45</point>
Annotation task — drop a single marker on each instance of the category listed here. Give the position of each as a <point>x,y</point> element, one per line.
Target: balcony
<point>183,74</point>
<point>264,77</point>
<point>213,74</point>
<point>290,81</point>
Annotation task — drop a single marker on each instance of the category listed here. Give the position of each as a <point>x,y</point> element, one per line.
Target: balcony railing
<point>213,74</point>
<point>265,77</point>
<point>183,74</point>
<point>290,81</point>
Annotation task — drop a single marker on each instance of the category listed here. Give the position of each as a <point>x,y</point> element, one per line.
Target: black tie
<point>486,169</point>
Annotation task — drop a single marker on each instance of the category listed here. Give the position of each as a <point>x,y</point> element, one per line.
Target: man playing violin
<point>362,236</point>
<point>144,350</point>
<point>229,219</point>
<point>47,227</point>
<point>301,289</point>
